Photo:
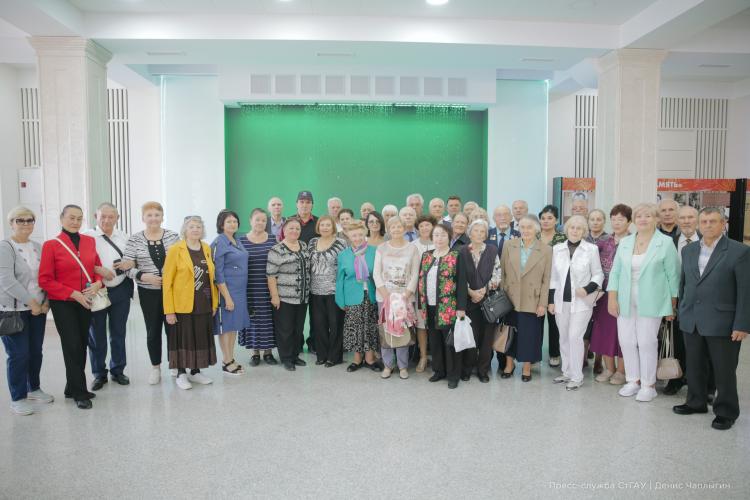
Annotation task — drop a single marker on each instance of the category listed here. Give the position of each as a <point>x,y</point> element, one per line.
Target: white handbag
<point>668,367</point>
<point>100,300</point>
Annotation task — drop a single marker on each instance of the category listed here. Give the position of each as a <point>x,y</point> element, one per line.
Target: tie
<point>501,240</point>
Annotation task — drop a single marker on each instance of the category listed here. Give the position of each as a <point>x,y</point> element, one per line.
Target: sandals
<point>237,370</point>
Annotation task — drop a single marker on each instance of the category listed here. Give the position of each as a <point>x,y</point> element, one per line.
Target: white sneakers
<point>199,378</point>
<point>386,372</point>
<point>561,379</point>
<point>183,382</point>
<point>554,361</point>
<point>403,373</point>
<point>41,396</point>
<point>629,389</point>
<point>173,372</point>
<point>646,394</point>
<point>155,376</point>
<point>604,376</point>
<point>573,385</point>
<point>21,407</point>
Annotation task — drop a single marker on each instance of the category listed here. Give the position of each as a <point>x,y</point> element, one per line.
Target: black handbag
<point>496,306</point>
<point>11,321</point>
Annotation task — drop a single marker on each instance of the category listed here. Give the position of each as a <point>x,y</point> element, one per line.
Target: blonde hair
<point>328,218</point>
<point>580,219</point>
<point>151,205</point>
<point>19,211</point>
<point>355,224</point>
<point>186,223</point>
<point>394,219</point>
<point>651,208</point>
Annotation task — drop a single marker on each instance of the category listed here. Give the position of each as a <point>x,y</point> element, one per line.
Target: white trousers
<point>639,343</point>
<point>572,327</point>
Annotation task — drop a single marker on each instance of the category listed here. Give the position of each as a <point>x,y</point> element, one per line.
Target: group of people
<point>388,286</point>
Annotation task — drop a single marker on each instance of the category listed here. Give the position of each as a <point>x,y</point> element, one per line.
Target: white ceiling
<point>609,12</point>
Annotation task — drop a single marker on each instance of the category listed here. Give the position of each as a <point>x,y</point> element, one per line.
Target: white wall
<point>738,138</point>
<point>517,144</point>
<point>561,139</point>
<point>192,150</point>
<point>11,141</point>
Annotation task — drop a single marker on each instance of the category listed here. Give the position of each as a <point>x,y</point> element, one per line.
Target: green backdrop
<point>356,152</point>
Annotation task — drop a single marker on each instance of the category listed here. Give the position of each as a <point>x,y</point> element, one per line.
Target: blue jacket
<point>348,290</point>
<point>659,281</point>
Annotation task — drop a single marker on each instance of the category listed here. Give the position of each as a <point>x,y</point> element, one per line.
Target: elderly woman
<point>230,262</point>
<point>375,228</point>
<point>596,221</point>
<point>388,212</point>
<point>604,332</point>
<point>469,208</point>
<point>325,315</point>
<point>365,209</point>
<point>425,224</point>
<point>576,277</point>
<point>479,213</point>
<point>288,274</point>
<point>67,273</point>
<point>481,265</point>
<point>190,301</point>
<point>145,254</point>
<point>20,293</point>
<point>458,225</point>
<point>355,294</point>
<point>441,283</point>
<point>526,264</point>
<point>643,286</point>
<point>258,336</point>
<point>396,274</point>
<point>551,236</point>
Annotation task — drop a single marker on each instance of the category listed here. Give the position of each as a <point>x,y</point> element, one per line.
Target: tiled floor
<point>325,433</point>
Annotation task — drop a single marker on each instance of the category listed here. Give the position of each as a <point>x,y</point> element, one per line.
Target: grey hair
<point>713,210</point>
<point>394,219</point>
<point>107,204</point>
<point>389,209</point>
<point>533,219</point>
<point>415,195</point>
<point>604,216</point>
<point>479,222</point>
<point>581,220</point>
<point>403,209</point>
<point>335,198</point>
<point>187,221</point>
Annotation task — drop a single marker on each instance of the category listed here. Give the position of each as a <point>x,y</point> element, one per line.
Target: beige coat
<point>530,289</point>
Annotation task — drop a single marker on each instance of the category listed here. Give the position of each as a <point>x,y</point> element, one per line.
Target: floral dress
<point>447,273</point>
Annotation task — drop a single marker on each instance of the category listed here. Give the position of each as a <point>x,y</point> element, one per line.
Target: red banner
<point>695,185</point>
<point>578,184</point>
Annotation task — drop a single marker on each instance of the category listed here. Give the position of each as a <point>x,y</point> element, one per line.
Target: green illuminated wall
<point>358,153</point>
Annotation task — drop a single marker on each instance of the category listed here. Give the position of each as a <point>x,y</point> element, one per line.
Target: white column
<point>73,95</point>
<point>627,125</point>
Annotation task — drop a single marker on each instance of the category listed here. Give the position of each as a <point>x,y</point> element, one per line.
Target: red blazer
<point>59,273</point>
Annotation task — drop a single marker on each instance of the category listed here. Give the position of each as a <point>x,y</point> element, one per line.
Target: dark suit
<point>712,305</point>
<point>495,238</point>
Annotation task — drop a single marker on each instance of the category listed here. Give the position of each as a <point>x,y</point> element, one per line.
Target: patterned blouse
<point>607,250</point>
<point>292,272</point>
<point>148,255</point>
<point>447,284</point>
<point>324,266</point>
<point>558,237</point>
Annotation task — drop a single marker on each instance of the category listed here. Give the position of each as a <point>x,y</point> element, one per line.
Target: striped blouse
<point>292,272</point>
<point>148,255</point>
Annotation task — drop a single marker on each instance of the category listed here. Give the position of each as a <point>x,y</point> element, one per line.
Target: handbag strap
<point>112,243</point>
<point>12,249</point>
<point>66,247</point>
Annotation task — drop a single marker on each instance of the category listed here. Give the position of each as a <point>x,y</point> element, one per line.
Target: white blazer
<point>584,268</point>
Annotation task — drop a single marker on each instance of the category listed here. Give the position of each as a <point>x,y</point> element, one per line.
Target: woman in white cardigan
<point>576,278</point>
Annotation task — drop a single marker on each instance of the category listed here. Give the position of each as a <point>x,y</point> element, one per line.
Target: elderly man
<point>502,232</point>
<point>409,217</point>
<point>365,209</point>
<point>275,219</point>
<point>415,201</point>
<point>334,207</point>
<point>714,316</point>
<point>687,219</point>
<point>437,208</point>
<point>110,244</point>
<point>453,206</point>
<point>305,216</point>
<point>520,208</point>
<point>668,219</point>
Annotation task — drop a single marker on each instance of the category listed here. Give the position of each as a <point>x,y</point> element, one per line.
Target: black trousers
<point>288,328</point>
<point>325,321</point>
<point>153,314</point>
<point>310,335</point>
<point>721,353</point>
<point>553,337</point>
<point>484,336</point>
<point>72,321</point>
<point>445,360</point>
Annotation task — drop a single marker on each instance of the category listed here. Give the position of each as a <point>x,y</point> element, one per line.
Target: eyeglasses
<point>24,221</point>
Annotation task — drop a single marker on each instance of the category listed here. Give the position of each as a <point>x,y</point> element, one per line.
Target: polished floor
<point>325,433</point>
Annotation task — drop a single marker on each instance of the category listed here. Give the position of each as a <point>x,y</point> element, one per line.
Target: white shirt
<point>432,284</point>
<point>635,274</point>
<point>683,241</point>
<point>107,254</point>
<point>705,255</point>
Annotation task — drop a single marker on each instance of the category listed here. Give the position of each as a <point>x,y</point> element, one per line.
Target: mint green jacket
<point>658,283</point>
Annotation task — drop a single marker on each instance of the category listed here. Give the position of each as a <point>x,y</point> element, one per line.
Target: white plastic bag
<point>463,337</point>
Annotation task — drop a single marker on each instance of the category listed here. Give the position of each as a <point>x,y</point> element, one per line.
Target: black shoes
<point>484,378</point>
<point>377,366</point>
<point>452,384</point>
<point>687,410</point>
<point>299,362</point>
<point>436,377</point>
<point>526,378</point>
<point>84,404</point>
<point>465,378</point>
<point>673,387</point>
<point>722,423</point>
<point>121,379</point>
<point>354,367</point>
<point>320,362</point>
<point>289,366</point>
<point>508,374</point>
<point>269,359</point>
<point>98,383</point>
<point>330,364</point>
<point>255,360</point>
<point>89,395</point>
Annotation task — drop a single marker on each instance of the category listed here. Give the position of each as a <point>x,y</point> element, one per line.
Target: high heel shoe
<point>508,374</point>
<point>526,378</point>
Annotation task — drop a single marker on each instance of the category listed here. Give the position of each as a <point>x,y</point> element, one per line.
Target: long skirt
<point>361,327</point>
<point>604,333</point>
<point>527,343</point>
<point>190,342</point>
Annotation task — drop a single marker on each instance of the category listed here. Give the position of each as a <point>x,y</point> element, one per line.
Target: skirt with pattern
<point>361,327</point>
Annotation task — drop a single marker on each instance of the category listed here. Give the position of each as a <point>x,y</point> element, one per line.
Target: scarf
<point>361,270</point>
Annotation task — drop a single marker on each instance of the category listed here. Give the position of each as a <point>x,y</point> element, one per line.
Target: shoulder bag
<point>496,306</point>
<point>11,321</point>
<point>668,367</point>
<point>100,300</point>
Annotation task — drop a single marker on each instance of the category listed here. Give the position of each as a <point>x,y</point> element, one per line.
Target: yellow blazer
<point>529,289</point>
<point>178,280</point>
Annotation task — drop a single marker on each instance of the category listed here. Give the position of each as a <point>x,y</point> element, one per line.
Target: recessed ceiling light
<point>437,2</point>
<point>166,53</point>
<point>536,59</point>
